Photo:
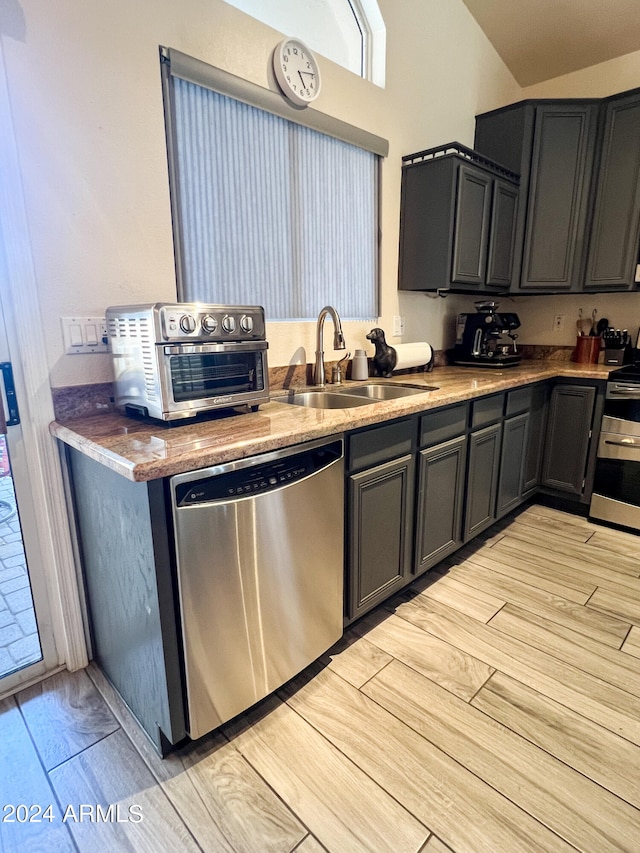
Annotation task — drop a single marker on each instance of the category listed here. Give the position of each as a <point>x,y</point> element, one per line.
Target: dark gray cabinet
<point>615,230</point>
<point>552,146</point>
<point>510,484</point>
<point>440,485</point>
<point>124,546</point>
<point>538,406</point>
<point>482,480</point>
<point>379,514</point>
<point>571,411</point>
<point>457,222</point>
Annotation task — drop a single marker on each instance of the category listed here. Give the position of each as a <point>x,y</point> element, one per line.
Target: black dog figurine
<point>385,358</point>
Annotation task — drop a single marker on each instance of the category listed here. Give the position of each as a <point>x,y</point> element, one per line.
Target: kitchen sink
<point>325,400</point>
<point>388,390</point>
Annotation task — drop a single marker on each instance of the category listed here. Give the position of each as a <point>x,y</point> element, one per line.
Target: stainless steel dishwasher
<point>259,546</point>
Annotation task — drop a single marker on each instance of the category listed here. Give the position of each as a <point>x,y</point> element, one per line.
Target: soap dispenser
<point>360,365</point>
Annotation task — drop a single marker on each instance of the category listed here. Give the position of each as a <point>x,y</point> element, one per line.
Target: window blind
<point>268,211</point>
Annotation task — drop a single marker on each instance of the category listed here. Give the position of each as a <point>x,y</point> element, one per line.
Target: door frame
<point>25,336</point>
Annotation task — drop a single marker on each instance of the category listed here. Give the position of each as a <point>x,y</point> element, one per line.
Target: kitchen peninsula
<point>423,475</point>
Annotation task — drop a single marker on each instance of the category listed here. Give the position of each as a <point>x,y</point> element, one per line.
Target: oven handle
<point>231,346</point>
<point>624,391</point>
<point>623,442</point>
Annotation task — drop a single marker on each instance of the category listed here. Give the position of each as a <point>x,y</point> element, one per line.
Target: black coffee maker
<point>481,338</point>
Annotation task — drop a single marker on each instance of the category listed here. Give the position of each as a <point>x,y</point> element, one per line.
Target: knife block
<point>587,349</point>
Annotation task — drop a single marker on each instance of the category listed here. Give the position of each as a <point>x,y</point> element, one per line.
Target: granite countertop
<point>143,450</point>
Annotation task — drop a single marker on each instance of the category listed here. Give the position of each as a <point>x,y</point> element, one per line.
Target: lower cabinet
<point>441,471</point>
<point>380,502</point>
<point>568,437</point>
<point>482,480</point>
<point>514,445</point>
<point>538,408</point>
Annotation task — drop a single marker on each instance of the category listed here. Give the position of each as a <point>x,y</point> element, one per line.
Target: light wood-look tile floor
<point>492,706</point>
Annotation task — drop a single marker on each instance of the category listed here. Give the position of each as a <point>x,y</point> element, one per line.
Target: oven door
<point>616,490</point>
<point>199,377</point>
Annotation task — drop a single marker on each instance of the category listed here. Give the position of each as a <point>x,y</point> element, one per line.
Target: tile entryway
<point>19,642</point>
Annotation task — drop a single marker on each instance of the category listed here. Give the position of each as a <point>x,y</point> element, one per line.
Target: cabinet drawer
<point>380,444</point>
<point>519,400</point>
<point>486,410</point>
<point>443,424</point>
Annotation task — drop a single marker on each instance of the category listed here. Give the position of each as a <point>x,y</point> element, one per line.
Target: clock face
<point>296,71</point>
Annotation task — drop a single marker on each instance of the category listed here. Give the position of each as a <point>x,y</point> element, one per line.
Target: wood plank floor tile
<point>532,541</point>
<point>577,809</point>
<point>466,813</point>
<point>310,845</point>
<point>343,807</point>
<point>453,669</point>
<point>434,845</point>
<point>476,603</point>
<point>545,562</point>
<point>556,524</point>
<point>356,659</point>
<point>225,803</point>
<point>606,629</point>
<point>607,664</point>
<point>632,644</point>
<point>520,566</point>
<point>616,541</point>
<point>592,750</point>
<point>603,703</point>
<point>65,714</point>
<point>23,782</point>
<point>112,774</point>
<point>623,603</point>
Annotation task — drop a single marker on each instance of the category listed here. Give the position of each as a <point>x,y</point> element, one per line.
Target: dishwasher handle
<point>256,476</point>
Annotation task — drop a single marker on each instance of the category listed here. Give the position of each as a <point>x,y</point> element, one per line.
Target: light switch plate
<point>84,335</point>
<point>398,326</point>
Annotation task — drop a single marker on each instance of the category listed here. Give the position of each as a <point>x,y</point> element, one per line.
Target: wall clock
<point>297,71</point>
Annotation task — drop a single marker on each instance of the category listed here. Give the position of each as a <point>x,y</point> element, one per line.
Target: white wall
<point>84,84</point>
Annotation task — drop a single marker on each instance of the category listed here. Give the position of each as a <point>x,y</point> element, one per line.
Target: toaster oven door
<point>199,377</point>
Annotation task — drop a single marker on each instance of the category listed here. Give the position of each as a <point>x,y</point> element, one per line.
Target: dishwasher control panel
<point>251,480</point>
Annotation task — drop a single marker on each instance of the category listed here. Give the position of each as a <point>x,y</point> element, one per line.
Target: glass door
<point>26,640</point>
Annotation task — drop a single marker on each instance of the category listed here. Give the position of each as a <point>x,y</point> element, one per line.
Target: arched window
<point>349,32</point>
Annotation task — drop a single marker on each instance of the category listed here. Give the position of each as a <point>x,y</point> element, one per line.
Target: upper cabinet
<point>552,146</point>
<point>457,222</point>
<point>615,230</point>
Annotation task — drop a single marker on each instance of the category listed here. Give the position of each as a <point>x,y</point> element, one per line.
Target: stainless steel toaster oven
<point>175,361</point>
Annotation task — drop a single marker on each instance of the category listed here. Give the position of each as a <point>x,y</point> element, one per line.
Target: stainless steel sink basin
<point>325,400</point>
<point>387,391</point>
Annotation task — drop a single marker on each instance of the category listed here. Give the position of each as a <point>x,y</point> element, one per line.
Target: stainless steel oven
<point>616,491</point>
<point>174,361</point>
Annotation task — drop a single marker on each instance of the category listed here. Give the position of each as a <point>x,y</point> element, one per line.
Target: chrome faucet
<point>338,341</point>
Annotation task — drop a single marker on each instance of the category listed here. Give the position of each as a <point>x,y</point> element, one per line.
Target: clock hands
<point>302,80</point>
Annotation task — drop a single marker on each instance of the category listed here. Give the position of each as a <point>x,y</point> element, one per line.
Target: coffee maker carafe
<point>481,338</point>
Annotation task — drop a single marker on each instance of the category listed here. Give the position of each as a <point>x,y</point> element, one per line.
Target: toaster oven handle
<point>231,346</point>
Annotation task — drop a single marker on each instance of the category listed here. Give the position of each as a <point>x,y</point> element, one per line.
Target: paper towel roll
<point>412,355</point>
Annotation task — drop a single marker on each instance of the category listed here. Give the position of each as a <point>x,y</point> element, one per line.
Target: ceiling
<point>542,39</point>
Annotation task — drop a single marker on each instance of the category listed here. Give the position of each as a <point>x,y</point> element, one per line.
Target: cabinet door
<point>613,249</point>
<point>473,211</point>
<point>440,495</point>
<point>482,480</point>
<point>512,456</point>
<point>535,439</point>
<point>561,167</point>
<point>568,435</point>
<point>379,533</point>
<point>502,234</point>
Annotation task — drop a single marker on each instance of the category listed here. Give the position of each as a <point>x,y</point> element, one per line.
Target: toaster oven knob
<point>229,323</point>
<point>209,324</point>
<point>187,324</point>
<point>246,323</point>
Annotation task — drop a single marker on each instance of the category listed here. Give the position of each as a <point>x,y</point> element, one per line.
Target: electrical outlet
<point>84,335</point>
<point>398,326</point>
<point>558,322</point>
